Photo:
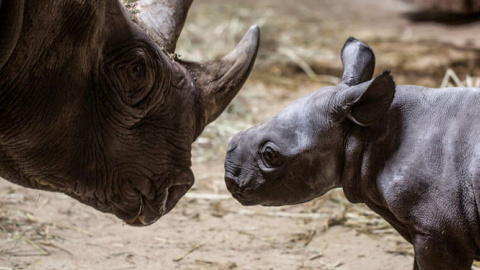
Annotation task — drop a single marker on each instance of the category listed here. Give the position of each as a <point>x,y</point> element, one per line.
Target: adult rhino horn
<point>163,19</point>
<point>220,80</point>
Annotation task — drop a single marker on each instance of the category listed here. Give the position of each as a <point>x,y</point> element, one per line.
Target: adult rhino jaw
<point>95,103</point>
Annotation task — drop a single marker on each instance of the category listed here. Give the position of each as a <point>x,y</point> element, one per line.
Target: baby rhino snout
<point>234,142</point>
<point>241,177</point>
<point>231,183</point>
<point>232,164</point>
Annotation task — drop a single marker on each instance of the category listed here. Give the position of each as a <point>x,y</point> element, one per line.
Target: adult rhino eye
<point>271,157</point>
<point>132,72</point>
<point>137,71</point>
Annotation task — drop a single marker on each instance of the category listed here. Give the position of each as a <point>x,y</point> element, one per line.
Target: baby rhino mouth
<point>150,210</point>
<point>244,194</point>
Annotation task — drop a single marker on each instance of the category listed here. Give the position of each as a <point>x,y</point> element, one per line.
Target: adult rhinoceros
<point>95,105</point>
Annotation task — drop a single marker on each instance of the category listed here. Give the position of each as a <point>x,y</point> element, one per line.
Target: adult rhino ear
<point>358,62</point>
<point>220,80</point>
<point>366,103</point>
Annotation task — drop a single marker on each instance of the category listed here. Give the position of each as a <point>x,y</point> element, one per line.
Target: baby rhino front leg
<point>439,252</point>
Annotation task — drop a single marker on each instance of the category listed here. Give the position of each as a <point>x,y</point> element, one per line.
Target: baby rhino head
<point>298,155</point>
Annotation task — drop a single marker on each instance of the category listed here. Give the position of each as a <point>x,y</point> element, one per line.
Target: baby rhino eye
<point>269,154</point>
<point>271,157</point>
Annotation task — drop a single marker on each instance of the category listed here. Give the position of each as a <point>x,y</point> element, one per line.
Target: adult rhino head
<point>96,105</point>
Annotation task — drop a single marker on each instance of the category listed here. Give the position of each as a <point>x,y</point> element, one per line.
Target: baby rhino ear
<point>358,62</point>
<point>366,103</point>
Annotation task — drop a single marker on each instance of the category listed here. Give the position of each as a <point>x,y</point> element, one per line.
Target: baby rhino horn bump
<point>164,19</point>
<point>220,80</point>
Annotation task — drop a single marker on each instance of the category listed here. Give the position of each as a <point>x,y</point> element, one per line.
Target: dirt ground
<point>301,41</point>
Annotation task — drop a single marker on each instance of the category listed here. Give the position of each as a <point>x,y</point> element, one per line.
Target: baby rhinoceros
<point>410,153</point>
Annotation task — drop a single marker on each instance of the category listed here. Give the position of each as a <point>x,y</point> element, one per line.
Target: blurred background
<point>430,43</point>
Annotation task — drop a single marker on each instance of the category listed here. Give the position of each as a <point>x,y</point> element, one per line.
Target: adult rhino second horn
<point>164,19</point>
<point>220,80</point>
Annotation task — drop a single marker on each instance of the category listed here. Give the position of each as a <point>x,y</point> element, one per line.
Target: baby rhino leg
<point>441,253</point>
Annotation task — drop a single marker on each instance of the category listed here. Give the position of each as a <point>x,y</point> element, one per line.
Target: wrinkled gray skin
<point>410,153</point>
<point>90,104</point>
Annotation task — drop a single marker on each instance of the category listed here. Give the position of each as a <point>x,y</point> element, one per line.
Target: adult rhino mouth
<point>151,210</point>
<point>147,216</point>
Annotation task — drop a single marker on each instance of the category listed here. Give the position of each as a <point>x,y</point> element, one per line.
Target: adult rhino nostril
<point>234,141</point>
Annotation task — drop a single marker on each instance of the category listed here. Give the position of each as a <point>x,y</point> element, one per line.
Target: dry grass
<point>451,79</point>
<point>21,234</point>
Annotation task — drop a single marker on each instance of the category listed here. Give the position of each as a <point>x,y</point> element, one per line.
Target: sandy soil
<point>215,233</point>
<point>210,230</point>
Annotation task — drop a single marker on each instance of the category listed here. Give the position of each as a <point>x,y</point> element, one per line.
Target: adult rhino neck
<point>11,19</point>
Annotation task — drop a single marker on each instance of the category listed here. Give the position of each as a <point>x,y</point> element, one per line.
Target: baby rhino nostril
<point>234,142</point>
<point>231,184</point>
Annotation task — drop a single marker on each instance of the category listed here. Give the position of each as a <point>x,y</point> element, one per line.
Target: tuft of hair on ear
<point>384,80</point>
<point>387,74</point>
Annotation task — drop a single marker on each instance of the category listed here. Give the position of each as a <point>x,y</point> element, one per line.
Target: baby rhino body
<point>412,154</point>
